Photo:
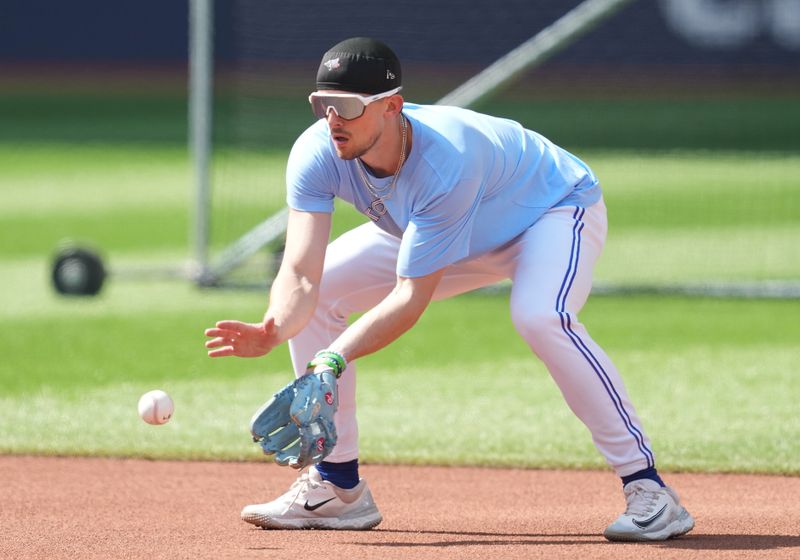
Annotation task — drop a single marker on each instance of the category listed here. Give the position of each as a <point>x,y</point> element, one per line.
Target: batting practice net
<point>687,111</point>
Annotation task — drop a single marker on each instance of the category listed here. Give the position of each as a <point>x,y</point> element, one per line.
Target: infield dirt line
<point>58,508</point>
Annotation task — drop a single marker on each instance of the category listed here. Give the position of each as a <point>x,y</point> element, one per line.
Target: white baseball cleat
<point>654,513</point>
<point>313,503</point>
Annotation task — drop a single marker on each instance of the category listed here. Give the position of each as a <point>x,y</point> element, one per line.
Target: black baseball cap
<point>359,65</point>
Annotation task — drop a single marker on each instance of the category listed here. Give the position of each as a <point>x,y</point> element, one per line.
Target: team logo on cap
<point>390,75</point>
<point>332,64</point>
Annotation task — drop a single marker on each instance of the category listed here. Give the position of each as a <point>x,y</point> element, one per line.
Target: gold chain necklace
<point>385,193</point>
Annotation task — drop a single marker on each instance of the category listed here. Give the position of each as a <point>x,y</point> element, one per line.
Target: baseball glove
<point>296,425</point>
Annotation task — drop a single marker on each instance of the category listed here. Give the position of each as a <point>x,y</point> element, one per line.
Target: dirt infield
<point>108,508</point>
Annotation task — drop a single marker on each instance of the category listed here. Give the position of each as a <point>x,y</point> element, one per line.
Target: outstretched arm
<point>293,295</point>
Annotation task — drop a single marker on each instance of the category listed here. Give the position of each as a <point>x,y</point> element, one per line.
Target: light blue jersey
<point>471,183</point>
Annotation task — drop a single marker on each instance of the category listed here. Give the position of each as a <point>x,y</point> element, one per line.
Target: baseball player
<point>456,200</point>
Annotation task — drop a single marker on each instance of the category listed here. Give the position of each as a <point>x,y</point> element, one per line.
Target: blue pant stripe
<point>562,293</point>
<point>566,326</point>
<point>609,387</point>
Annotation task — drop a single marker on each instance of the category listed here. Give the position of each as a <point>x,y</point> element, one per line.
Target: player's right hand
<point>246,340</point>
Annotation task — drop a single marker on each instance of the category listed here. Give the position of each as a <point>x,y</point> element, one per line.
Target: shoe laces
<point>641,501</point>
<point>299,481</point>
<point>303,484</point>
<point>296,488</point>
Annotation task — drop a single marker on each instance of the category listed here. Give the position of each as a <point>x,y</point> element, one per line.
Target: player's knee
<point>537,327</point>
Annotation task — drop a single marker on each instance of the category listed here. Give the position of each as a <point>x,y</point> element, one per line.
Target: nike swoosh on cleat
<point>319,505</point>
<point>645,523</point>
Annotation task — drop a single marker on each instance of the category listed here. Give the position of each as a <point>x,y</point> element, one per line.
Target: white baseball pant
<point>550,266</point>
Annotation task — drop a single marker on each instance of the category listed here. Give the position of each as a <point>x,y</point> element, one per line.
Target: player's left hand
<point>296,425</point>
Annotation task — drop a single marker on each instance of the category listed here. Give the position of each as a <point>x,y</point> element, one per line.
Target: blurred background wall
<point>729,37</point>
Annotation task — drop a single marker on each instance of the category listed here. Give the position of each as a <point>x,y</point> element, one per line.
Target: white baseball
<point>156,407</point>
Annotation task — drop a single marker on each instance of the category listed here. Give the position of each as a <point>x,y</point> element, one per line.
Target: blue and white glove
<point>296,425</point>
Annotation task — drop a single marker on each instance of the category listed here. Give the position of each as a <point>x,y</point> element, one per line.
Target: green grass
<point>713,380</point>
<point>36,117</point>
<point>117,197</point>
<point>693,122</point>
<point>693,217</point>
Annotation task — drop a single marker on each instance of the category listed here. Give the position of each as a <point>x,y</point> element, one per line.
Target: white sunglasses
<point>346,105</point>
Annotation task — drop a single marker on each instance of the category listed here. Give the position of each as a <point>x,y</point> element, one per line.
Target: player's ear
<point>394,104</point>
